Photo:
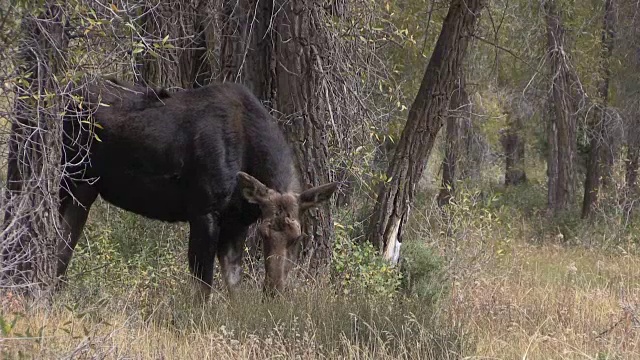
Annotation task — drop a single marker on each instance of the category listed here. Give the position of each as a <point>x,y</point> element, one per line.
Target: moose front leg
<point>203,243</point>
<point>230,250</point>
<point>74,211</point>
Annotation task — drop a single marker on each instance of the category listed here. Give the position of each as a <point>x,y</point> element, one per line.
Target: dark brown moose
<point>211,156</point>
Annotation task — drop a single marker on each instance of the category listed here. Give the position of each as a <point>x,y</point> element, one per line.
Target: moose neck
<point>268,156</point>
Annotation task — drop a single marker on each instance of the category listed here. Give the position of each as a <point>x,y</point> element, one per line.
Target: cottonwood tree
<point>29,234</point>
<point>177,43</point>
<point>629,94</point>
<point>457,136</point>
<point>561,113</point>
<point>600,160</point>
<point>512,138</point>
<point>426,117</point>
<point>277,48</point>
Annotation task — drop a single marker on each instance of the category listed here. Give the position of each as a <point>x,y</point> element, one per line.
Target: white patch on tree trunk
<point>392,245</point>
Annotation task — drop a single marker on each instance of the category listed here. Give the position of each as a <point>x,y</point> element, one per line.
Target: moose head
<point>280,224</point>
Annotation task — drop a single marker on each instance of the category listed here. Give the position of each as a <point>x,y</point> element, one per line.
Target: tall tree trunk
<point>455,139</point>
<point>298,72</point>
<point>30,230</point>
<point>425,119</point>
<point>629,47</point>
<point>474,149</point>
<point>275,48</point>
<point>562,188</point>
<point>513,145</point>
<point>600,153</point>
<point>632,166</point>
<point>552,156</point>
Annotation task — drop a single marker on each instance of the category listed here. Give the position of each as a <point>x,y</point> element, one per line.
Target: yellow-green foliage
<point>358,269</point>
<point>494,116</point>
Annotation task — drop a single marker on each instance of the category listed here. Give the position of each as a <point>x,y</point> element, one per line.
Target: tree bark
<point>600,159</point>
<point>552,156</point>
<point>562,187</point>
<point>513,145</point>
<point>30,230</point>
<point>456,138</point>
<point>632,167</point>
<point>189,27</point>
<point>425,119</point>
<point>298,70</point>
<point>275,48</point>
<point>627,92</point>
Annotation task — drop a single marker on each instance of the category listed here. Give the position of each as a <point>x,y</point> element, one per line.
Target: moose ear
<point>314,196</point>
<point>252,189</point>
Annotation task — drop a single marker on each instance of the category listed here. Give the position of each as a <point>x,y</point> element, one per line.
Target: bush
<point>357,268</point>
<point>423,272</point>
<point>123,251</point>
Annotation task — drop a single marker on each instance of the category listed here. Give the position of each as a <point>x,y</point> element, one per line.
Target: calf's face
<point>280,224</point>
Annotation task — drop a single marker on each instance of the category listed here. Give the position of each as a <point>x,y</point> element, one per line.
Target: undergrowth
<point>490,265</point>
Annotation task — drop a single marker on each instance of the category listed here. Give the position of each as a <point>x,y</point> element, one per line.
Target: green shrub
<point>357,268</point>
<point>123,251</point>
<point>423,272</point>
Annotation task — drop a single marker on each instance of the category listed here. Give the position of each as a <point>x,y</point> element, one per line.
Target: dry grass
<point>537,302</point>
<point>513,295</point>
<point>553,302</point>
<point>304,326</point>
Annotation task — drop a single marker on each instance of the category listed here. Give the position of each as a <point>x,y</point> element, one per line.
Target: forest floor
<point>517,287</point>
<point>553,302</point>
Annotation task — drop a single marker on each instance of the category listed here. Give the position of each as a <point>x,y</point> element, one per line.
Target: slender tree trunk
<point>474,148</point>
<point>425,119</point>
<point>455,139</point>
<point>632,167</point>
<point>552,156</point>
<point>562,187</point>
<point>600,150</point>
<point>29,233</point>
<point>513,146</point>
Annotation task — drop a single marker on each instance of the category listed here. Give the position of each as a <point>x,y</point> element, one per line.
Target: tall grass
<point>491,276</point>
<point>130,296</point>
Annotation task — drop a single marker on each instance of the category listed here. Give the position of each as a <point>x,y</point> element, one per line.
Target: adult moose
<point>211,156</point>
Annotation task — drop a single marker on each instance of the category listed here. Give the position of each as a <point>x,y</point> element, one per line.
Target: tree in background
<point>512,139</point>
<point>600,161</point>
<point>562,120</point>
<point>457,136</point>
<point>426,117</point>
<point>627,81</point>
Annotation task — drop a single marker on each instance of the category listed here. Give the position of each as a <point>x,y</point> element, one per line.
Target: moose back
<point>212,157</point>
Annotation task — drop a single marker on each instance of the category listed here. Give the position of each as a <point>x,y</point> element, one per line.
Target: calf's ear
<point>314,196</point>
<point>252,189</point>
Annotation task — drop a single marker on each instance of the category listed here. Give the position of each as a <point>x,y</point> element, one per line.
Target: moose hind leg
<point>74,213</point>
<point>230,249</point>
<point>203,241</point>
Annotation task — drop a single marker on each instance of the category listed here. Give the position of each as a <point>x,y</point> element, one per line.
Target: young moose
<point>212,156</point>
